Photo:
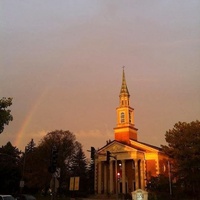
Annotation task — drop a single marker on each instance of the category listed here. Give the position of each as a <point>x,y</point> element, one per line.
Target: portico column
<point>142,174</point>
<point>99,177</point>
<point>123,177</point>
<point>111,176</point>
<point>136,174</point>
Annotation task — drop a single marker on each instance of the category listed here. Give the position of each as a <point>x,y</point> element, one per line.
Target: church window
<point>130,117</point>
<point>122,117</point>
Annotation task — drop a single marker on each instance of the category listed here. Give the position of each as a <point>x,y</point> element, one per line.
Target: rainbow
<point>27,120</point>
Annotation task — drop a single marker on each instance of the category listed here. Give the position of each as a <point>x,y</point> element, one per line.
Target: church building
<point>126,164</point>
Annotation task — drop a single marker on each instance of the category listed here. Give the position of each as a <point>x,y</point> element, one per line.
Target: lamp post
<point>108,156</point>
<point>116,181</point>
<point>23,169</point>
<point>170,181</point>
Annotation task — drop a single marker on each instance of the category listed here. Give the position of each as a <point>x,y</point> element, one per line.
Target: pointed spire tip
<point>124,89</point>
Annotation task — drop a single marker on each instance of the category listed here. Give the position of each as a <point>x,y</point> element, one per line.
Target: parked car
<point>25,197</point>
<point>6,197</point>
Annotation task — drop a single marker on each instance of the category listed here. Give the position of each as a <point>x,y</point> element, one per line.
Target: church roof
<point>149,145</point>
<point>141,146</point>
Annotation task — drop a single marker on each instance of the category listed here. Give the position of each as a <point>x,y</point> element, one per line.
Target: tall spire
<point>125,129</point>
<point>124,89</point>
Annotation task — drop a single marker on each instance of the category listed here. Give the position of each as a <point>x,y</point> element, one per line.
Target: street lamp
<point>23,169</point>
<point>170,181</point>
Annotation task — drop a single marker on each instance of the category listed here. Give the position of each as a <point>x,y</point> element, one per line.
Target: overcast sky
<point>61,61</point>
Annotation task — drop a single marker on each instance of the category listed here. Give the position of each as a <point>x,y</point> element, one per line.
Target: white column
<point>123,177</point>
<point>142,173</point>
<point>99,177</point>
<point>136,174</point>
<point>111,176</point>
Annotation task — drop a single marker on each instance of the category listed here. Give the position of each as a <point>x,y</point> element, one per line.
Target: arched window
<point>122,117</point>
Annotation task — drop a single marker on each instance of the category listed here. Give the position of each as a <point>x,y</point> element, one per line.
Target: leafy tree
<point>65,142</point>
<point>9,169</point>
<point>158,186</point>
<point>37,176</point>
<point>5,116</point>
<point>184,148</point>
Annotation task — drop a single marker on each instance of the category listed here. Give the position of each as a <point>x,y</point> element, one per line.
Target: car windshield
<point>29,197</point>
<point>8,198</point>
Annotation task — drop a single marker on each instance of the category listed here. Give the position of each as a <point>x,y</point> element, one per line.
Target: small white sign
<point>139,196</point>
<point>21,184</point>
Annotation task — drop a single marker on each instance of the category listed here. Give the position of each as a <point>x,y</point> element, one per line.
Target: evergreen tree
<point>184,148</point>
<point>9,169</point>
<point>79,168</point>
<point>28,165</point>
<point>30,146</point>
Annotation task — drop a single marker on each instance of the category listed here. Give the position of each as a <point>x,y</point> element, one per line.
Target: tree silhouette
<point>184,148</point>
<point>70,159</point>
<point>5,116</point>
<point>10,172</point>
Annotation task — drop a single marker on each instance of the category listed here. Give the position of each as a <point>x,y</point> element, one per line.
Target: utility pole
<point>170,181</point>
<point>52,169</point>
<point>108,155</point>
<point>23,170</point>
<point>116,181</point>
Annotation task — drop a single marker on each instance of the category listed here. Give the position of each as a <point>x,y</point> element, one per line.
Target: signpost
<point>54,184</point>
<point>21,184</point>
<point>74,183</point>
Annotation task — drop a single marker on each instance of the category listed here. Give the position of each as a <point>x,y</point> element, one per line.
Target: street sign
<point>74,183</point>
<point>71,184</point>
